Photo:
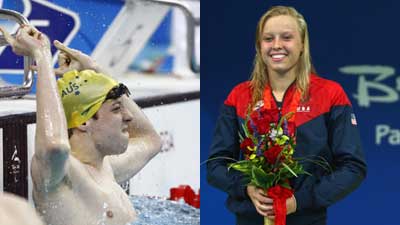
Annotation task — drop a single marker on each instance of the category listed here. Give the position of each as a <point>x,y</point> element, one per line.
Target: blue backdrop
<point>91,21</point>
<point>353,42</point>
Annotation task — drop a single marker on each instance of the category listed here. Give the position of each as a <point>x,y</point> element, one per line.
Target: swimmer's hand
<point>72,59</point>
<point>28,41</point>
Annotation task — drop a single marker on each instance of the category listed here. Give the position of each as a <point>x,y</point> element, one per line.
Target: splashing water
<point>159,211</point>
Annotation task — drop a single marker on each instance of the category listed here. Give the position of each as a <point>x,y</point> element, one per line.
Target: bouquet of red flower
<point>268,146</point>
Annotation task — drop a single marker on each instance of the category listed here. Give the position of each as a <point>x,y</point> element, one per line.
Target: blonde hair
<point>259,76</point>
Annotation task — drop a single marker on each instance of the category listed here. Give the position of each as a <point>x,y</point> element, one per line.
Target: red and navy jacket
<point>326,128</point>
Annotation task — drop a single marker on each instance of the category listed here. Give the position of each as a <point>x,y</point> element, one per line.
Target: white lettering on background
<point>384,133</point>
<point>371,78</point>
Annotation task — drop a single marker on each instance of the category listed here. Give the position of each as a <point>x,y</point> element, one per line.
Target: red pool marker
<point>186,193</point>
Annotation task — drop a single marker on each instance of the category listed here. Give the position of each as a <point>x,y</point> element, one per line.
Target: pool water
<point>159,211</point>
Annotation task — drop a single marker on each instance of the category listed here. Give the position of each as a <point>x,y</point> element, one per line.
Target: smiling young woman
<point>284,80</point>
<point>282,47</point>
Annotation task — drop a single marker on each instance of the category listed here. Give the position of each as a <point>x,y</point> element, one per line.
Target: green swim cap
<point>82,94</point>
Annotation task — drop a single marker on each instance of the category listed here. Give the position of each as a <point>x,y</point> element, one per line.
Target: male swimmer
<point>89,137</point>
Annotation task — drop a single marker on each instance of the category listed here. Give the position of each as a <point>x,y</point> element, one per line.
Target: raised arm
<point>72,59</point>
<point>144,144</point>
<point>51,141</point>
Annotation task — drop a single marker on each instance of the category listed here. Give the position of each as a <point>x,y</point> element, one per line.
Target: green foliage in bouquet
<point>268,149</point>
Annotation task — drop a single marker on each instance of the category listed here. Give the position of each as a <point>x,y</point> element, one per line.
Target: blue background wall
<point>342,33</point>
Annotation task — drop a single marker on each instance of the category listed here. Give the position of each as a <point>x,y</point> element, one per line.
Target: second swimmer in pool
<point>85,122</point>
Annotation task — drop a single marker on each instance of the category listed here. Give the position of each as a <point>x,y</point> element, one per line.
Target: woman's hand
<point>71,59</point>
<point>291,205</point>
<point>264,205</point>
<point>260,200</point>
<point>28,41</point>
